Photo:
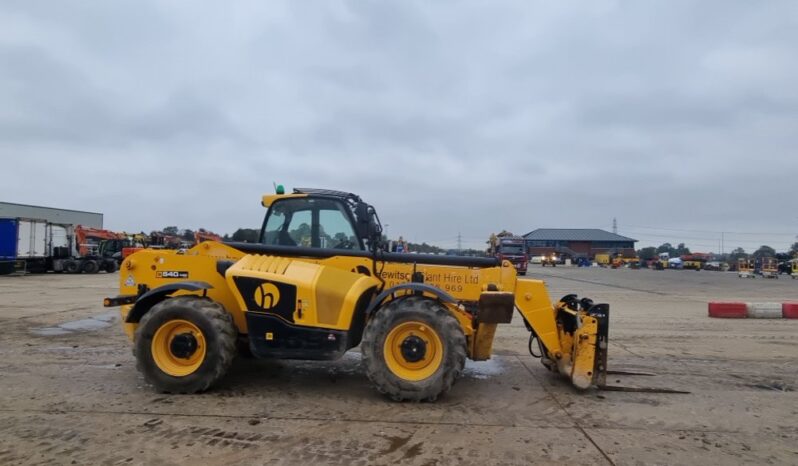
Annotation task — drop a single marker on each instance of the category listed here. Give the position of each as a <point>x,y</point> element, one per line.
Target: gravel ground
<point>70,393</point>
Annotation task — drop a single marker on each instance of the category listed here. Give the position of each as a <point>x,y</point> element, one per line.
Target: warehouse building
<point>578,242</point>
<point>52,215</point>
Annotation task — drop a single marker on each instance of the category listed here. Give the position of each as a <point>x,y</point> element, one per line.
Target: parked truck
<point>513,249</point>
<point>38,246</point>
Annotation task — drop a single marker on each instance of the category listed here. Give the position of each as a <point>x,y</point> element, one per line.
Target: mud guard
<point>418,287</point>
<point>149,299</point>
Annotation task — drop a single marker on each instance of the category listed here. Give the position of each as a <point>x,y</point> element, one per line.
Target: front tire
<point>185,344</point>
<point>413,349</point>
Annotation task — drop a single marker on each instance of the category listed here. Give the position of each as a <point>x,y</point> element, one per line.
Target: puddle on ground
<point>482,369</point>
<point>83,325</point>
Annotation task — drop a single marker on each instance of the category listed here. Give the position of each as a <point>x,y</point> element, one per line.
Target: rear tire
<point>185,344</point>
<point>110,266</point>
<point>71,267</point>
<point>413,349</point>
<point>91,266</point>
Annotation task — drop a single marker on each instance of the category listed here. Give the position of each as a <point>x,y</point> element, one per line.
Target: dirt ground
<point>70,393</point>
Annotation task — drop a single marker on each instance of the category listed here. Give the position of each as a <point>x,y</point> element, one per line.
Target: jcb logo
<point>267,296</point>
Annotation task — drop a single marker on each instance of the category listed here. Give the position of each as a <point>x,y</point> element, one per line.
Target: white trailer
<point>37,246</point>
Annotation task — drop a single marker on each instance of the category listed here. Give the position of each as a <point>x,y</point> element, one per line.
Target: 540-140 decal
<point>171,274</point>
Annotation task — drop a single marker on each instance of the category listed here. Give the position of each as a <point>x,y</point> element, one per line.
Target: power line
<point>718,232</point>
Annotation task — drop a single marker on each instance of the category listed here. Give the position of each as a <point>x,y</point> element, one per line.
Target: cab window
<point>336,230</point>
<point>317,223</point>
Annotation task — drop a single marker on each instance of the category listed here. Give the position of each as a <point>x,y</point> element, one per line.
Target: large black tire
<point>431,314</point>
<point>217,331</point>
<point>91,266</point>
<point>110,266</point>
<point>71,266</point>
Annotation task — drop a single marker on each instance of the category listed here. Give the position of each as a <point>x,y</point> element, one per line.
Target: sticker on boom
<point>171,274</point>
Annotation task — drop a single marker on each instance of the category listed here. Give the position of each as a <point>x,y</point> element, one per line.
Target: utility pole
<point>459,242</point>
<point>722,242</point>
<point>615,225</point>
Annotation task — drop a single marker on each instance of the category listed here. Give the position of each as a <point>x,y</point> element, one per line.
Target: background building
<point>53,215</point>
<point>578,242</point>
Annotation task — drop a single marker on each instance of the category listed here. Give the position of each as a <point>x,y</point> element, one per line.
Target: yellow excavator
<point>320,283</point>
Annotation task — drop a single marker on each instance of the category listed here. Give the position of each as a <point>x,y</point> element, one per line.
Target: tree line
<point>737,253</point>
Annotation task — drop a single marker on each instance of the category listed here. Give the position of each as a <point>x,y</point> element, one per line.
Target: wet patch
<point>482,369</point>
<point>97,322</point>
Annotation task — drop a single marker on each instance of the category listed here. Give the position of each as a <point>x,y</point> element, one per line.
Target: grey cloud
<point>449,117</point>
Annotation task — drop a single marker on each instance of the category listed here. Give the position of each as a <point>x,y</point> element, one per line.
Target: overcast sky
<point>680,119</point>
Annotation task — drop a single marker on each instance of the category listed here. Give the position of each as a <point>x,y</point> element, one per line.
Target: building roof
<point>574,234</point>
<point>49,208</point>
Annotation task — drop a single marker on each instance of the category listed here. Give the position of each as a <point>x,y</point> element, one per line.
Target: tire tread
<point>450,333</point>
<point>222,325</point>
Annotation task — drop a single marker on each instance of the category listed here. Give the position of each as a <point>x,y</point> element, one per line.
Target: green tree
<point>794,249</point>
<point>647,253</point>
<point>246,235</point>
<point>736,254</point>
<point>765,251</point>
<point>424,248</point>
<point>682,250</point>
<point>665,247</point>
<point>188,235</point>
<point>171,231</point>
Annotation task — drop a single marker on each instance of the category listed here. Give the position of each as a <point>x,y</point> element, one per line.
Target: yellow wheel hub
<point>413,351</point>
<point>178,348</point>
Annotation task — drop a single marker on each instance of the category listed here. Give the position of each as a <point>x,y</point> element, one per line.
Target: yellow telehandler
<point>319,283</point>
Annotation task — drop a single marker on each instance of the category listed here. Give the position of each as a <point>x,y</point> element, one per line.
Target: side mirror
<point>375,227</point>
<point>368,225</point>
<point>362,223</point>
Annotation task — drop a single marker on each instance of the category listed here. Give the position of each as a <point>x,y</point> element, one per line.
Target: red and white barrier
<point>740,310</point>
<point>728,310</point>
<point>764,310</point>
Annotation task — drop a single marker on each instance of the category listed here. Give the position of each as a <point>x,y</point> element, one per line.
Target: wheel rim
<point>413,351</point>
<point>178,348</point>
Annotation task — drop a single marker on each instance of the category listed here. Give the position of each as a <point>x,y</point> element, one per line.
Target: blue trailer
<point>8,245</point>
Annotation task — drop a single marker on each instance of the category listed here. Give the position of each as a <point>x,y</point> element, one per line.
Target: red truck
<point>513,249</point>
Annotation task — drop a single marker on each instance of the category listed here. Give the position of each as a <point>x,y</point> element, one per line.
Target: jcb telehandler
<point>319,283</point>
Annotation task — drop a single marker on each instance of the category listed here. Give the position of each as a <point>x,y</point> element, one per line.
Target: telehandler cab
<point>319,284</point>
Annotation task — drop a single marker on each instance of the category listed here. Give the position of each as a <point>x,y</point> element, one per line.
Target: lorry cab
<point>513,250</point>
